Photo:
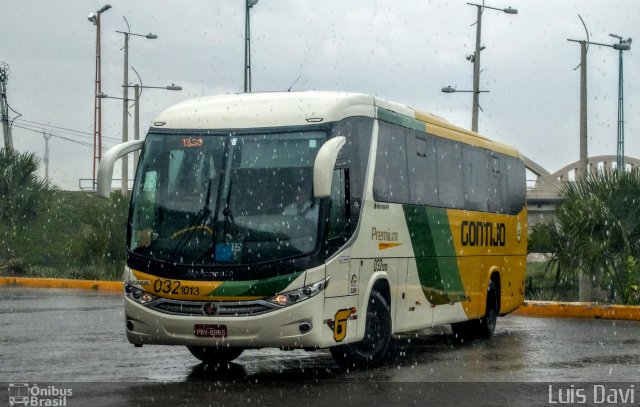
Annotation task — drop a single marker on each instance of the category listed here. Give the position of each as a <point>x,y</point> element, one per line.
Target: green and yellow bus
<point>317,220</point>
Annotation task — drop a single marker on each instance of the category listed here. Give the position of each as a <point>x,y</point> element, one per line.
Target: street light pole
<point>136,124</point>
<point>125,113</point>
<point>136,118</point>
<point>622,45</point>
<point>247,46</point>
<point>476,60</point>
<point>97,109</point>
<point>125,98</point>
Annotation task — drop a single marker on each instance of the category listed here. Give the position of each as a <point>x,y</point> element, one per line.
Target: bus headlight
<point>300,294</point>
<point>138,295</point>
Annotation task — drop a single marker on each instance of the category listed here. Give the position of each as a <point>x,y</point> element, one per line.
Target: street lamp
<point>125,96</point>
<point>621,45</point>
<point>449,89</point>
<point>97,107</point>
<point>476,59</point>
<point>247,46</point>
<point>136,116</point>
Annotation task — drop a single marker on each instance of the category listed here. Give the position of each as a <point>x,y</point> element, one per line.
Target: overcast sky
<point>402,50</point>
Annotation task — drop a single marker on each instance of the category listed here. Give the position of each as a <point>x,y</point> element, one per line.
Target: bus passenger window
<point>450,178</point>
<point>390,182</point>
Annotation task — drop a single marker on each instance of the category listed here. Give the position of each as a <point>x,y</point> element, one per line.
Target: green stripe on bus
<point>254,288</point>
<point>435,254</point>
<point>401,120</point>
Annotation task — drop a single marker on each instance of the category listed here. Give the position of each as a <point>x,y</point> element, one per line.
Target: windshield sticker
<point>353,287</point>
<point>223,252</point>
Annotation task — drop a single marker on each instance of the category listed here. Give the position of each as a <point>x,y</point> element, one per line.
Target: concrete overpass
<point>542,196</point>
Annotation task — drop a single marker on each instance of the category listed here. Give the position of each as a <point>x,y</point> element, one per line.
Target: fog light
<point>304,327</point>
<point>129,325</point>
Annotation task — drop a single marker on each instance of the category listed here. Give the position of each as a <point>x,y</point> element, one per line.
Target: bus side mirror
<point>105,168</point>
<point>323,166</point>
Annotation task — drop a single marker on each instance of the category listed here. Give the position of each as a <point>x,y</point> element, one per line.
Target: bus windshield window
<point>226,199</point>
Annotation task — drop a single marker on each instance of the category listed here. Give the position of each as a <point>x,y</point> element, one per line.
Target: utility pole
<point>476,73</point>
<point>4,106</point>
<point>584,47</point>
<point>46,154</point>
<point>584,280</point>
<point>583,167</point>
<point>476,59</point>
<point>247,46</point>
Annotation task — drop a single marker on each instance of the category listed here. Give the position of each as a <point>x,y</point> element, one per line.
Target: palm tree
<point>21,190</point>
<point>597,230</point>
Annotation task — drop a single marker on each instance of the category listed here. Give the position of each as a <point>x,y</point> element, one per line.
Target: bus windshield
<point>225,199</point>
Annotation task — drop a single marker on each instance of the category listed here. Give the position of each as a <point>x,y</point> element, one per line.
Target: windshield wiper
<point>201,215</point>
<point>235,230</point>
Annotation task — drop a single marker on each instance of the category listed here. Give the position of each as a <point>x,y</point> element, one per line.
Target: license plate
<point>210,331</point>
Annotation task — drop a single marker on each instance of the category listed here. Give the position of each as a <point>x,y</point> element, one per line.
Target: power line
<point>41,129</point>
<point>64,129</point>
<point>82,143</point>
<point>67,129</point>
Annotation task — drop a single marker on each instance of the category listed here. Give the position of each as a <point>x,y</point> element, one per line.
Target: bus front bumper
<point>278,328</point>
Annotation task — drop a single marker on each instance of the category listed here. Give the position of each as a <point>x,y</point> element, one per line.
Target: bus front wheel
<point>374,347</point>
<point>214,354</point>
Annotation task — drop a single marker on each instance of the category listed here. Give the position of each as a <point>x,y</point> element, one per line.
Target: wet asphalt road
<point>77,336</point>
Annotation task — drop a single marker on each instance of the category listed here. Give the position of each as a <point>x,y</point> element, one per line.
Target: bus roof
<point>274,109</point>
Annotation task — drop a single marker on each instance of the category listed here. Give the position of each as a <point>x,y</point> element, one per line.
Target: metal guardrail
<point>88,185</point>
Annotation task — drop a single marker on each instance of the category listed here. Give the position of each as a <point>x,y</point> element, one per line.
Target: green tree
<point>22,191</point>
<point>597,231</point>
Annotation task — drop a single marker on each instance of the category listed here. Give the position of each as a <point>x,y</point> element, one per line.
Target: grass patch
<point>541,285</point>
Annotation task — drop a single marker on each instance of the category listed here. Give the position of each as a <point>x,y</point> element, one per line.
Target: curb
<point>109,286</point>
<point>578,310</point>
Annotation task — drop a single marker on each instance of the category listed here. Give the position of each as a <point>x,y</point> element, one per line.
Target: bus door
<point>342,292</point>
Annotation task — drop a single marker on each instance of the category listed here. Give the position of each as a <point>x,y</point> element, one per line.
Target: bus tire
<point>464,331</point>
<point>374,347</point>
<point>487,324</point>
<point>214,354</point>
<point>479,328</point>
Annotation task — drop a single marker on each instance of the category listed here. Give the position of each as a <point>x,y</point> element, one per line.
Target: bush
<point>17,267</point>
<point>102,237</point>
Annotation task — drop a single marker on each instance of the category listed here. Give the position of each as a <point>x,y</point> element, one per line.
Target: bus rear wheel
<point>374,347</point>
<point>479,328</point>
<point>214,354</point>
<point>487,324</point>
